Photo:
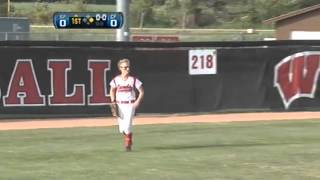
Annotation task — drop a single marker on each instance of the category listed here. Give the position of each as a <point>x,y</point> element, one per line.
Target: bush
<point>41,13</point>
<point>3,9</point>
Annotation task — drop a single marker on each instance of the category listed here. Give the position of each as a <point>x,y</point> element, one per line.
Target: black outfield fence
<point>72,78</point>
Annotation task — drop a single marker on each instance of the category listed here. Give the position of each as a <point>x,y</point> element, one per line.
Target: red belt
<point>125,102</point>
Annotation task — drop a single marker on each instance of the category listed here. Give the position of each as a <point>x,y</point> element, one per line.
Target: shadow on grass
<point>203,146</point>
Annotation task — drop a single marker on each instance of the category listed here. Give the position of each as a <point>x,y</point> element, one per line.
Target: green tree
<point>202,12</point>
<point>3,8</point>
<point>141,12</point>
<point>41,13</point>
<point>172,13</point>
<point>306,3</point>
<point>80,5</point>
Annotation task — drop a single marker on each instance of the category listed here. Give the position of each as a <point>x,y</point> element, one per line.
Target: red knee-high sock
<point>128,140</point>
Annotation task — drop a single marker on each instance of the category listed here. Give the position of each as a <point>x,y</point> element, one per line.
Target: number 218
<point>205,61</point>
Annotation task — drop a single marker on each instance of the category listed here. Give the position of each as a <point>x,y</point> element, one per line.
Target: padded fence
<point>72,78</point>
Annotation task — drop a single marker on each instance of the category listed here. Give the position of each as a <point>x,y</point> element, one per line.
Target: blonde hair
<point>123,61</point>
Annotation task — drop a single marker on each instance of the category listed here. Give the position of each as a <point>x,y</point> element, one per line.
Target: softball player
<point>122,93</point>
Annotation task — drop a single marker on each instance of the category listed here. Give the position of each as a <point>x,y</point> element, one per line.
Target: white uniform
<point>125,97</point>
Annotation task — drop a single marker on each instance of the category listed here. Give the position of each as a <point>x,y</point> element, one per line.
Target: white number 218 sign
<point>202,61</point>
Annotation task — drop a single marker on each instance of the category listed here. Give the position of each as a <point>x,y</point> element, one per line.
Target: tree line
<point>179,13</point>
<point>211,13</point>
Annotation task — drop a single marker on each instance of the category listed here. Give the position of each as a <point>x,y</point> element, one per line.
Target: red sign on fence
<point>155,38</point>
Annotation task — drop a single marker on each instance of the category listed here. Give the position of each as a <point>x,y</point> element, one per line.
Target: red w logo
<point>296,76</point>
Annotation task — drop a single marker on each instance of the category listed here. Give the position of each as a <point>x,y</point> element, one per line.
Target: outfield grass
<point>247,150</point>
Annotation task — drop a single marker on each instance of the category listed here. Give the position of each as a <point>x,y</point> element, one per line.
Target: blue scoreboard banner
<point>88,20</point>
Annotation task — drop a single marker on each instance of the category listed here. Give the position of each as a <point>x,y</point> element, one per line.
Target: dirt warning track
<point>145,119</point>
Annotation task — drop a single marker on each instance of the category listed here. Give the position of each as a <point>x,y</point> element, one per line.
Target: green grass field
<point>245,150</point>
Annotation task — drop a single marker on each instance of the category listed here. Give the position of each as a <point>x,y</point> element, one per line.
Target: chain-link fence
<point>48,33</point>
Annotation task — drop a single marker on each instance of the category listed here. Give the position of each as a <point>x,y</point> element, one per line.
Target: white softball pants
<point>126,113</point>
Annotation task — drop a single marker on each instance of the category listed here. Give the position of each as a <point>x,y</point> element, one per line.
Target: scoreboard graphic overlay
<point>88,20</point>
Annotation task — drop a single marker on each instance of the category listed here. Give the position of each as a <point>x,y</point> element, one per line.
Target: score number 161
<point>202,61</point>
